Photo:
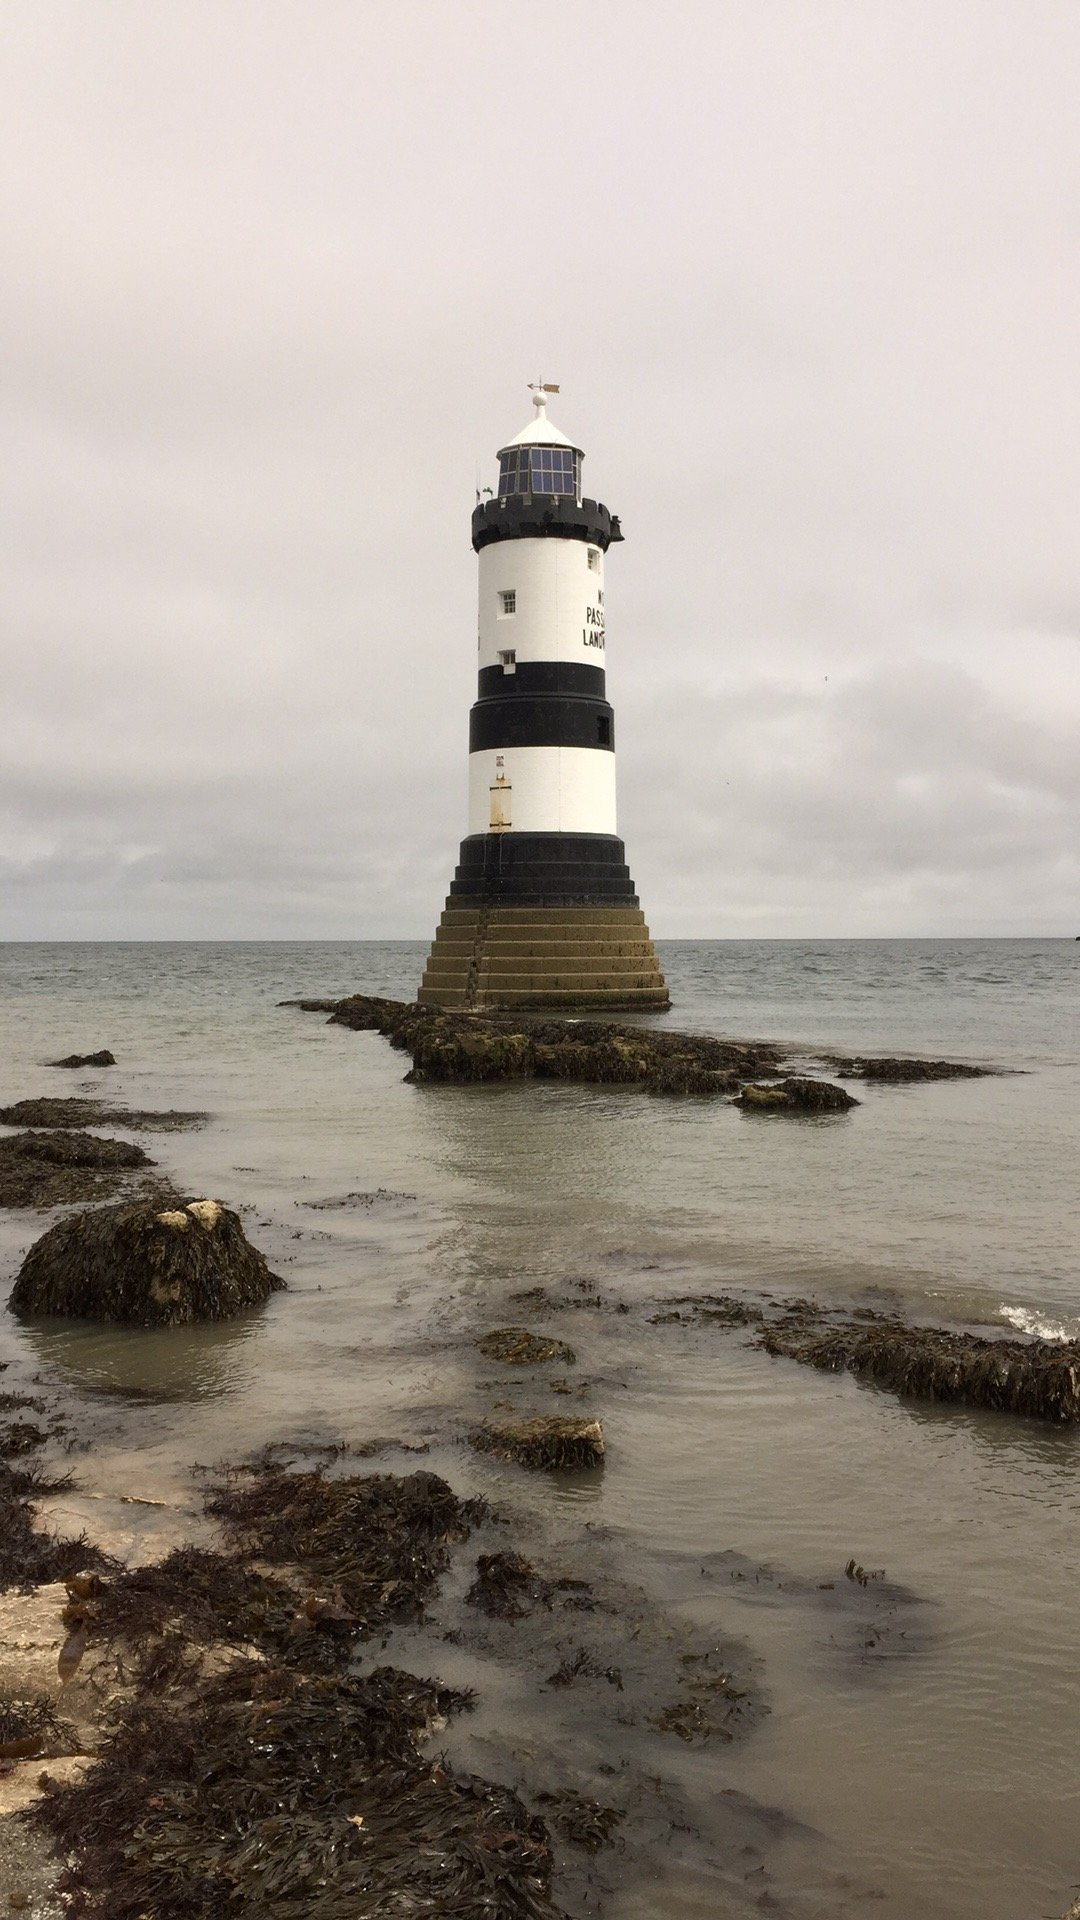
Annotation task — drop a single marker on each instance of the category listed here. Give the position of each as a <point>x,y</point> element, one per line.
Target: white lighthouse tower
<point>542,911</point>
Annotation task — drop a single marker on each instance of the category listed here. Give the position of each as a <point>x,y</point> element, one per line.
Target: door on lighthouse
<point>500,791</point>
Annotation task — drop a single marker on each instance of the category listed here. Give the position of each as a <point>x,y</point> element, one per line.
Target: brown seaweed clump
<point>507,1586</point>
<point>470,1047</point>
<point>29,1555</point>
<point>546,1442</point>
<point>47,1169</point>
<point>277,1792</point>
<point>904,1072</point>
<point>30,1725</point>
<point>520,1348</point>
<point>463,1048</point>
<point>700,1309</point>
<point>587,1824</point>
<point>142,1265</point>
<point>797,1095</point>
<point>1039,1378</point>
<point>102,1059</point>
<point>50,1112</point>
<point>377,1542</point>
<point>286,1787</point>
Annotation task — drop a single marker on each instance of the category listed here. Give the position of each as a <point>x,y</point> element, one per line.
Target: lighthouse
<point>542,910</point>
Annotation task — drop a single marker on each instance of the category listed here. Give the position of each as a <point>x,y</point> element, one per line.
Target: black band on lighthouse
<point>544,869</point>
<point>554,720</point>
<point>540,516</point>
<point>541,676</point>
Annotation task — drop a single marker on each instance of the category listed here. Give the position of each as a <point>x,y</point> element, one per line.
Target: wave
<point>1030,1320</point>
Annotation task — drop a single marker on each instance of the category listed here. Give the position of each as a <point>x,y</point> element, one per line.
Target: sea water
<point>936,1775</point>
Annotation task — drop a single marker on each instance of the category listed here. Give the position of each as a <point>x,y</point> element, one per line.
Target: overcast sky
<point>273,279</point>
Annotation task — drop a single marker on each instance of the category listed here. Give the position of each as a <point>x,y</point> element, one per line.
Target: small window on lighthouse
<point>508,660</point>
<point>594,559</point>
<point>508,602</point>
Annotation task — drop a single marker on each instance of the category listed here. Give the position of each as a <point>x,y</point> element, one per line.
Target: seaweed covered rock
<point>52,1112</point>
<point>466,1047</point>
<point>544,1442</point>
<point>904,1072</point>
<point>102,1059</point>
<point>143,1265</point>
<point>797,1095</point>
<point>45,1169</point>
<point>520,1348</point>
<point>1039,1378</point>
<point>445,1052</point>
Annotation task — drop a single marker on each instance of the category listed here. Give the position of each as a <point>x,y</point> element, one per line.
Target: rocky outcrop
<point>143,1265</point>
<point>797,1095</point>
<point>543,1442</point>
<point>897,1073</point>
<point>462,1048</point>
<point>50,1112</point>
<point>47,1169</point>
<point>1038,1378</point>
<point>102,1059</point>
<point>459,1047</point>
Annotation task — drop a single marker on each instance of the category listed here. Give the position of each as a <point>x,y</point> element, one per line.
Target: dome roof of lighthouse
<point>540,432</point>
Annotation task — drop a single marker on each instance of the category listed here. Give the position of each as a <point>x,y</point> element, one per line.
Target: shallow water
<point>932,1772</point>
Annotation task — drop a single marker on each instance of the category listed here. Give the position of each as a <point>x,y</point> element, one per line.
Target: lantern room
<point>540,459</point>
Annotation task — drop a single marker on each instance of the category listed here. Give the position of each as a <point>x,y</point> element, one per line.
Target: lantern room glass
<point>552,470</point>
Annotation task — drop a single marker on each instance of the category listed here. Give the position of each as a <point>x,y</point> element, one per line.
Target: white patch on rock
<point>176,1219</point>
<point>207,1212</point>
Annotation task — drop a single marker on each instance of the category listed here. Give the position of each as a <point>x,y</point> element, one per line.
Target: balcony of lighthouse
<point>524,516</point>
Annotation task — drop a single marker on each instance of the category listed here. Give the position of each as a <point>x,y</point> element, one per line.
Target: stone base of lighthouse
<point>543,921</point>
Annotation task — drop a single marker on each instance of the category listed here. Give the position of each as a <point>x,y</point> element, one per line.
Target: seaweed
<point>903,1072</point>
<point>101,1059</point>
<point>46,1169</point>
<point>797,1095</point>
<point>283,1788</point>
<point>584,1823</point>
<point>520,1348</point>
<point>507,1586</point>
<point>30,1726</point>
<point>194,1597</point>
<point>710,1702</point>
<point>546,1442</point>
<point>718,1309</point>
<point>141,1265</point>
<point>377,1542</point>
<point>29,1557</point>
<point>51,1112</point>
<point>464,1048</point>
<point>1039,1378</point>
<point>19,1437</point>
<point>305,1797</point>
<point>581,1665</point>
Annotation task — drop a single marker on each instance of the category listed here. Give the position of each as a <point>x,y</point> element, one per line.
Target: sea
<point>918,1764</point>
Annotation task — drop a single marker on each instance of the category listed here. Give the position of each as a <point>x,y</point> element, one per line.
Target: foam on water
<point>1041,1325</point>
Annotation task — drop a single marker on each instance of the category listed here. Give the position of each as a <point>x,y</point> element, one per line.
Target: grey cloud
<point>273,285</point>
